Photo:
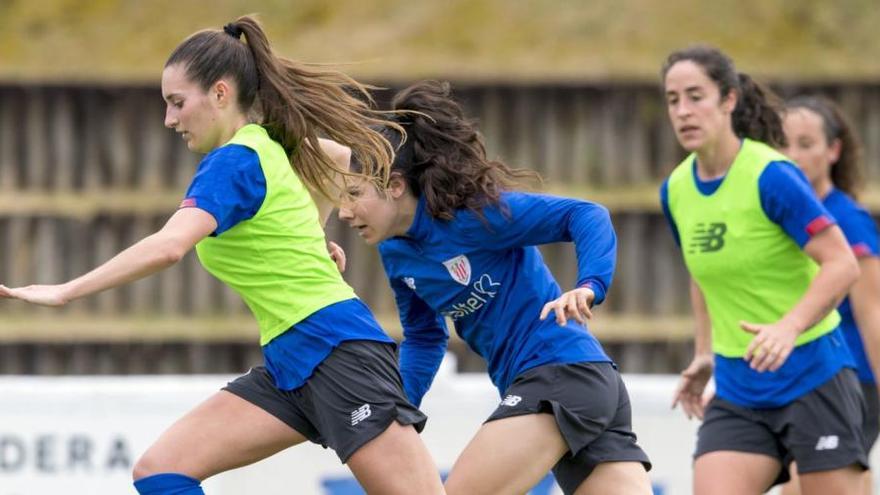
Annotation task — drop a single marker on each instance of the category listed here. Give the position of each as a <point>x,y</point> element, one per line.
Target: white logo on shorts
<point>829,442</point>
<point>511,400</point>
<point>410,282</point>
<point>360,414</point>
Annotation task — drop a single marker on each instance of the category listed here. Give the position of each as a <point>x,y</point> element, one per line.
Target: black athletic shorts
<point>871,426</point>
<point>822,430</point>
<point>351,398</point>
<point>592,410</point>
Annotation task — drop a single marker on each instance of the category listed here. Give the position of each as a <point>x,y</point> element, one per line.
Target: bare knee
<point>153,462</point>
<point>145,466</point>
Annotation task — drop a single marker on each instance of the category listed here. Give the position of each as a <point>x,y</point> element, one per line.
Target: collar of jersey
<point>421,221</point>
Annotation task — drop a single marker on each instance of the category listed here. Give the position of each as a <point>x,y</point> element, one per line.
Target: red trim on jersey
<point>821,223</point>
<point>861,250</point>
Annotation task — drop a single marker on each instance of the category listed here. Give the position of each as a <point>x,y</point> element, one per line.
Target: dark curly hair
<point>442,156</point>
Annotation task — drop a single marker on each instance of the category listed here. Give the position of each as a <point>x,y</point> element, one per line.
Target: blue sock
<point>168,484</point>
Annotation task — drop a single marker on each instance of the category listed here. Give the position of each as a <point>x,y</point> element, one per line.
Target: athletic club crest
<point>460,269</point>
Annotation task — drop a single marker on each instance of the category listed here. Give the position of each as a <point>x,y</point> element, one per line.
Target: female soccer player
<point>456,242</point>
<point>330,373</point>
<point>825,147</point>
<point>768,266</point>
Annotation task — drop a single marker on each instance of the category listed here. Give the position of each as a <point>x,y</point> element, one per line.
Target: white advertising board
<point>81,435</point>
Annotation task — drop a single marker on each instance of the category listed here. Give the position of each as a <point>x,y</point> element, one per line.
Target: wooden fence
<point>87,171</point>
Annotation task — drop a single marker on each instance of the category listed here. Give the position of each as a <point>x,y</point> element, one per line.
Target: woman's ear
<point>221,92</point>
<point>834,150</point>
<point>397,186</point>
<point>729,102</point>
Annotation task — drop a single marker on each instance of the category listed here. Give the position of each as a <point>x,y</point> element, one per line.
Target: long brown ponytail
<point>296,103</point>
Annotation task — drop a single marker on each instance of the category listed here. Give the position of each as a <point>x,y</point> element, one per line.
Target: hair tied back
<point>233,30</point>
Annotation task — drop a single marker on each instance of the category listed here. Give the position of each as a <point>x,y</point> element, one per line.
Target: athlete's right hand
<point>44,295</point>
<point>574,304</point>
<point>692,384</point>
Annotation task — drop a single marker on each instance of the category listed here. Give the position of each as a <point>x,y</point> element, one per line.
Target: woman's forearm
<point>825,293</point>
<point>148,256</point>
<point>703,325</point>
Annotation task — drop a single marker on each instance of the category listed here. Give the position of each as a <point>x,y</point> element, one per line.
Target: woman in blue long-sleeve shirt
<point>826,147</point>
<point>456,241</point>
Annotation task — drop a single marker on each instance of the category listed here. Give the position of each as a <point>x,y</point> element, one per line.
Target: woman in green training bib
<point>768,265</point>
<point>330,373</point>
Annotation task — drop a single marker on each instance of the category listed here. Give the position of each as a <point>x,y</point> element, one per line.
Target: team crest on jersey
<point>460,269</point>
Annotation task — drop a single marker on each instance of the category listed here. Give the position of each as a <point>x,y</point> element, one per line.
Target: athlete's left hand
<point>771,346</point>
<point>573,304</point>
<point>43,295</point>
<point>337,255</point>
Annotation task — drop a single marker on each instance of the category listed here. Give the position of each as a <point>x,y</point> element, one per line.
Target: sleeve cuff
<point>862,250</point>
<point>207,206</point>
<point>819,224</point>
<point>597,289</point>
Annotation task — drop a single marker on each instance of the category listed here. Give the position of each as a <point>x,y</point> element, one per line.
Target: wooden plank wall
<point>87,171</point>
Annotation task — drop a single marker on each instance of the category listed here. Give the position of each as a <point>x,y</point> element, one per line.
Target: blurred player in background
<point>825,147</point>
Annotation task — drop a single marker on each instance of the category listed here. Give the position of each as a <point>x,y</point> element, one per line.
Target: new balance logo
<point>360,414</point>
<point>511,400</point>
<point>827,443</point>
<point>708,239</point>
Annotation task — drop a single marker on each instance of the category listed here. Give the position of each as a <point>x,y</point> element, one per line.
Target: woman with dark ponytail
<point>458,242</point>
<point>824,145</point>
<point>255,212</point>
<point>768,265</point>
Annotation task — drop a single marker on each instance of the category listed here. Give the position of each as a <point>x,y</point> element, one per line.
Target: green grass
<point>465,40</point>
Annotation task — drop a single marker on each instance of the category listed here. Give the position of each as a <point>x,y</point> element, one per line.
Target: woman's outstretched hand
<point>44,295</point>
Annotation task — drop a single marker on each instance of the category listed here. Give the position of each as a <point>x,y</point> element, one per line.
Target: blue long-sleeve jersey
<point>488,277</point>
